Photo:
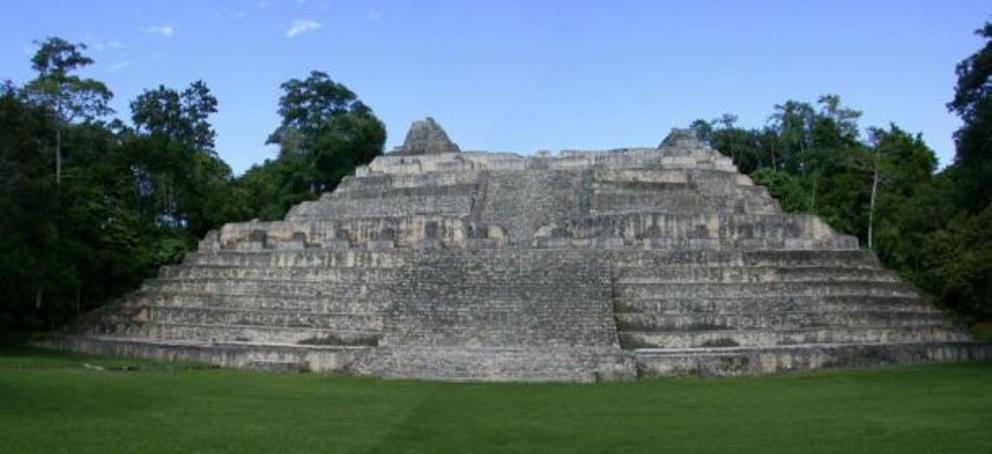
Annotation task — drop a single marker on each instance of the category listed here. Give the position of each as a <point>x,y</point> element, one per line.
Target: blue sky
<point>522,76</point>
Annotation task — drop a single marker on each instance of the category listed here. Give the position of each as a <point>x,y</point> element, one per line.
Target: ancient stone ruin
<point>426,137</point>
<point>432,263</point>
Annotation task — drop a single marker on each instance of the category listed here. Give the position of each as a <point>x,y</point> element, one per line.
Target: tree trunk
<point>871,208</point>
<point>58,155</point>
<point>812,201</point>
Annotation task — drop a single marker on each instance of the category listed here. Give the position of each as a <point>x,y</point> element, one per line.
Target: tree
<point>785,188</point>
<point>958,268</point>
<point>28,234</point>
<point>900,163</point>
<point>68,98</point>
<point>180,174</point>
<point>324,124</point>
<point>178,116</point>
<point>793,121</point>
<point>973,103</point>
<point>835,125</point>
<point>346,141</point>
<point>308,104</point>
<point>268,190</point>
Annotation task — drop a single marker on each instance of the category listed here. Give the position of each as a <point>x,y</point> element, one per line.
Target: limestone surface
<point>426,137</point>
<point>587,265</point>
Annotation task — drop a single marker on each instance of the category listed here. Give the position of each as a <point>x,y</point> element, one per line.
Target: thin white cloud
<point>100,45</point>
<point>302,26</point>
<point>155,56</point>
<point>239,15</point>
<point>374,15</point>
<point>165,31</point>
<point>119,66</point>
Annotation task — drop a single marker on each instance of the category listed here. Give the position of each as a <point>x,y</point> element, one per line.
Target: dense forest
<point>93,204</point>
<point>91,207</point>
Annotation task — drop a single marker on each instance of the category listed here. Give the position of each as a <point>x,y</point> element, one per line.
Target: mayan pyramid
<point>437,263</point>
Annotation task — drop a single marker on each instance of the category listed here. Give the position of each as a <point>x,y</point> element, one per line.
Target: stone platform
<point>433,263</point>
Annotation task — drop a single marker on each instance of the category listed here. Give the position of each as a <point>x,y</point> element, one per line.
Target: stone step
<point>340,232</point>
<point>347,275</point>
<point>373,192</point>
<point>374,184</point>
<point>645,158</point>
<point>654,174</point>
<point>278,366</point>
<point>730,274</point>
<point>626,203</point>
<point>282,319</point>
<point>676,184</point>
<point>675,197</point>
<point>226,354</point>
<point>503,364</point>
<point>771,304</point>
<point>797,258</point>
<point>270,287</point>
<point>694,244</point>
<point>347,258</point>
<point>771,338</point>
<point>791,320</point>
<point>396,258</point>
<point>628,292</point>
<point>706,225</point>
<point>646,259</point>
<point>728,190</point>
<point>337,303</point>
<point>736,361</point>
<point>250,333</point>
<point>387,206</point>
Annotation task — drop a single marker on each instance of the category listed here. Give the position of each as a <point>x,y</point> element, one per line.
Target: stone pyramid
<point>431,263</point>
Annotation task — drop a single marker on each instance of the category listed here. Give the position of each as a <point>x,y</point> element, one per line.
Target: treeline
<point>90,206</point>
<point>935,228</point>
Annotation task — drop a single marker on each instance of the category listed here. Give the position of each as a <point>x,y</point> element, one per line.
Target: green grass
<point>51,402</point>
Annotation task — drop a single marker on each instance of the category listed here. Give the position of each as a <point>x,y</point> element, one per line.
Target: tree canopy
<point>326,129</point>
<point>973,103</point>
<point>67,97</point>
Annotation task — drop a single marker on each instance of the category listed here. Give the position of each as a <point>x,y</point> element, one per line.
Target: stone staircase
<point>827,304</point>
<point>493,266</point>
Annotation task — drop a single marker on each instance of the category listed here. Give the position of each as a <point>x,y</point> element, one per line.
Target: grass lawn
<point>53,402</point>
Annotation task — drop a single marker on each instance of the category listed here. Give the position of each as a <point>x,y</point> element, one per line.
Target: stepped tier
<point>432,263</point>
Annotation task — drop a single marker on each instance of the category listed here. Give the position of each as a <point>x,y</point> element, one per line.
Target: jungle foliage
<point>93,205</point>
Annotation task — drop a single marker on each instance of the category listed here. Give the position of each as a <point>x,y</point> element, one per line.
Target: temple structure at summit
<point>442,264</point>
